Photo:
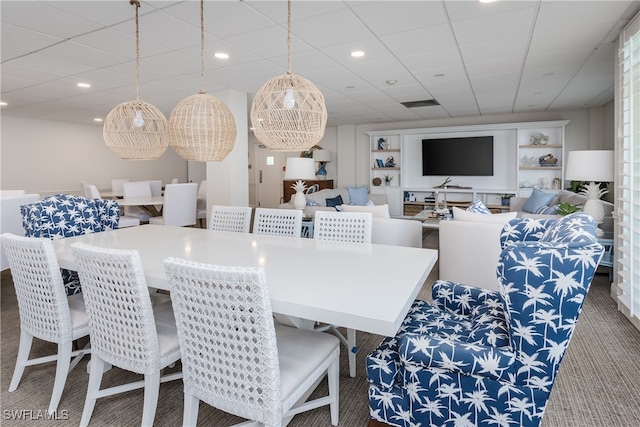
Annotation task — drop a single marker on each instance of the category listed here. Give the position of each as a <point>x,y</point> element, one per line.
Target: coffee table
<point>427,222</point>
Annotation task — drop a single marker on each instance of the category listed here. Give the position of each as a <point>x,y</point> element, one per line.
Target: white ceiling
<point>474,59</point>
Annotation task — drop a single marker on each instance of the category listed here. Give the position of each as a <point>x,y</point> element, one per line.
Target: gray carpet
<point>598,385</point>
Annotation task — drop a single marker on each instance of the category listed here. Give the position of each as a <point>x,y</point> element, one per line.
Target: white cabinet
<point>541,157</point>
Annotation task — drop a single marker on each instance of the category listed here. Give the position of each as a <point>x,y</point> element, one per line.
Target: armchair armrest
<point>459,298</point>
<point>426,352</point>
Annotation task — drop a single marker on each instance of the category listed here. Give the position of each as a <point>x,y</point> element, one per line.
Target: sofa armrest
<point>469,252</point>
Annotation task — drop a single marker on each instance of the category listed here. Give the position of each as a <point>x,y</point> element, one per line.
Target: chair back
<point>84,189</point>
<point>156,187</point>
<point>280,222</point>
<point>236,219</point>
<point>544,283</point>
<point>136,189</point>
<point>123,328</point>
<point>217,308</point>
<point>180,204</point>
<point>351,227</point>
<point>202,190</point>
<point>92,192</point>
<point>65,215</point>
<point>40,291</point>
<point>174,181</point>
<point>116,186</point>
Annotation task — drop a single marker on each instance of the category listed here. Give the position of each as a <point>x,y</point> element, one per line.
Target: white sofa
<point>321,196</point>
<point>10,217</point>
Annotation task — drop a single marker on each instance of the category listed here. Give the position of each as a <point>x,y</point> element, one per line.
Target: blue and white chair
<point>482,357</point>
<point>66,215</point>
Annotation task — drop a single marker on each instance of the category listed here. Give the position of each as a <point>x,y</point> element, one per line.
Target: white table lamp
<point>321,156</point>
<point>299,168</point>
<point>593,166</point>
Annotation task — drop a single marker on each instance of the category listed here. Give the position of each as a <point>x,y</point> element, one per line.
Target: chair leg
<point>62,370</point>
<point>93,388</point>
<point>352,349</point>
<point>21,361</point>
<point>151,390</point>
<point>191,406</point>
<point>333,377</point>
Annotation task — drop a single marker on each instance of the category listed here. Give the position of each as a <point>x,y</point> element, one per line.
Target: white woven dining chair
<point>281,222</point>
<point>233,356</point>
<point>350,227</point>
<point>180,202</point>
<point>201,213</point>
<point>46,312</point>
<point>126,331</point>
<point>236,219</point>
<point>136,189</point>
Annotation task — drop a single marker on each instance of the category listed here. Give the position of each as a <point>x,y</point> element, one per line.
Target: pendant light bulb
<point>289,99</point>
<point>138,121</point>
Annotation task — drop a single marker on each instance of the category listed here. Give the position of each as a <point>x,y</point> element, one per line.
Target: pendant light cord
<point>202,91</point>
<point>289,37</point>
<point>136,3</point>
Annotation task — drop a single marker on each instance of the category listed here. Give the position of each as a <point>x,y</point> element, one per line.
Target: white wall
<point>43,156</point>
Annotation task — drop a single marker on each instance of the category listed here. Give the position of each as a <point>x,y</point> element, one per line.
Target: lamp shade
<point>590,165</point>
<point>300,168</point>
<point>321,155</point>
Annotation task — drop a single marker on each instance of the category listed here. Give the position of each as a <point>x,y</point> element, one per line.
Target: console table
<point>287,191</point>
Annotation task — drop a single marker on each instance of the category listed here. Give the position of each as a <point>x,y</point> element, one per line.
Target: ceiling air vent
<point>416,104</point>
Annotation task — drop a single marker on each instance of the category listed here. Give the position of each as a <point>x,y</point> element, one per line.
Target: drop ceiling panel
<point>331,29</point>
<point>416,15</point>
<point>423,40</point>
<point>491,28</point>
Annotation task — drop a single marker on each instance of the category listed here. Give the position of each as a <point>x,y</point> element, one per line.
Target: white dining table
<point>366,287</point>
<point>148,204</point>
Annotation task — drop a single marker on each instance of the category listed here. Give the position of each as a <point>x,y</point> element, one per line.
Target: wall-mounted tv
<point>467,156</point>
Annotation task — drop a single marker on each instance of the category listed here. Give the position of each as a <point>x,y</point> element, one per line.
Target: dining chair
<point>116,186</point>
<point>174,181</point>
<point>125,220</point>
<point>350,227</point>
<point>230,218</point>
<point>46,312</point>
<point>281,222</point>
<point>233,356</point>
<point>136,189</point>
<point>84,189</point>
<point>201,213</point>
<point>180,201</point>
<point>126,330</point>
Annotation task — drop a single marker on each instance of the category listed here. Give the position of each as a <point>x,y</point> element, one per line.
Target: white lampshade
<point>321,156</point>
<point>300,168</point>
<point>590,165</point>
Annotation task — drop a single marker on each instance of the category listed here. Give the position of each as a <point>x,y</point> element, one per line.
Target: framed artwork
<point>382,144</point>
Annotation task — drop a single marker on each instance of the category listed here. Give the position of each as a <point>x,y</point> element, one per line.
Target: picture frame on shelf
<point>379,163</point>
<point>383,144</point>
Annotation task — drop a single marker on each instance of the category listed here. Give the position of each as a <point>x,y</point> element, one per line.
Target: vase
<point>299,200</point>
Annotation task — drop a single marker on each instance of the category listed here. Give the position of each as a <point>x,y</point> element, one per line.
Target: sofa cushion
<point>538,200</point>
<point>334,201</point>
<point>463,215</point>
<point>478,207</point>
<point>358,195</point>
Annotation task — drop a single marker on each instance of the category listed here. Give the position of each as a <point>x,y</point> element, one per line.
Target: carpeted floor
<point>598,385</point>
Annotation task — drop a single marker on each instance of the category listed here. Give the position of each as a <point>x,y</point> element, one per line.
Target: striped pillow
<point>478,207</point>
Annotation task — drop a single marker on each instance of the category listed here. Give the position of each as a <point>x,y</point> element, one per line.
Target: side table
<point>606,240</point>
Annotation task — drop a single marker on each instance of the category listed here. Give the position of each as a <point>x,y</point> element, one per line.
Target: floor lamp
<point>594,166</point>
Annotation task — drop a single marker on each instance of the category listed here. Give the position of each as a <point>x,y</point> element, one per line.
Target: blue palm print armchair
<point>64,215</point>
<point>478,357</point>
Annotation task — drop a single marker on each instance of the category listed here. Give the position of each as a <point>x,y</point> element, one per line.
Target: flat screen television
<point>467,156</point>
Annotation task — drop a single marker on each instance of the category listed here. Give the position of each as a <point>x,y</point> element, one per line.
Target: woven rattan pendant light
<point>201,127</point>
<point>288,112</point>
<point>136,130</point>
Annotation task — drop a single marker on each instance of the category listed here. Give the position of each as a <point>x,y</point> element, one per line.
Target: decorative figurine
<point>389,163</point>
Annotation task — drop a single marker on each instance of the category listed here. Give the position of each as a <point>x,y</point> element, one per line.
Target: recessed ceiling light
<point>221,55</point>
<point>486,1</point>
<point>2,103</point>
<point>548,74</point>
<point>350,87</point>
<point>391,82</point>
<point>85,85</point>
<point>97,119</point>
<point>357,53</point>
<point>438,75</point>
